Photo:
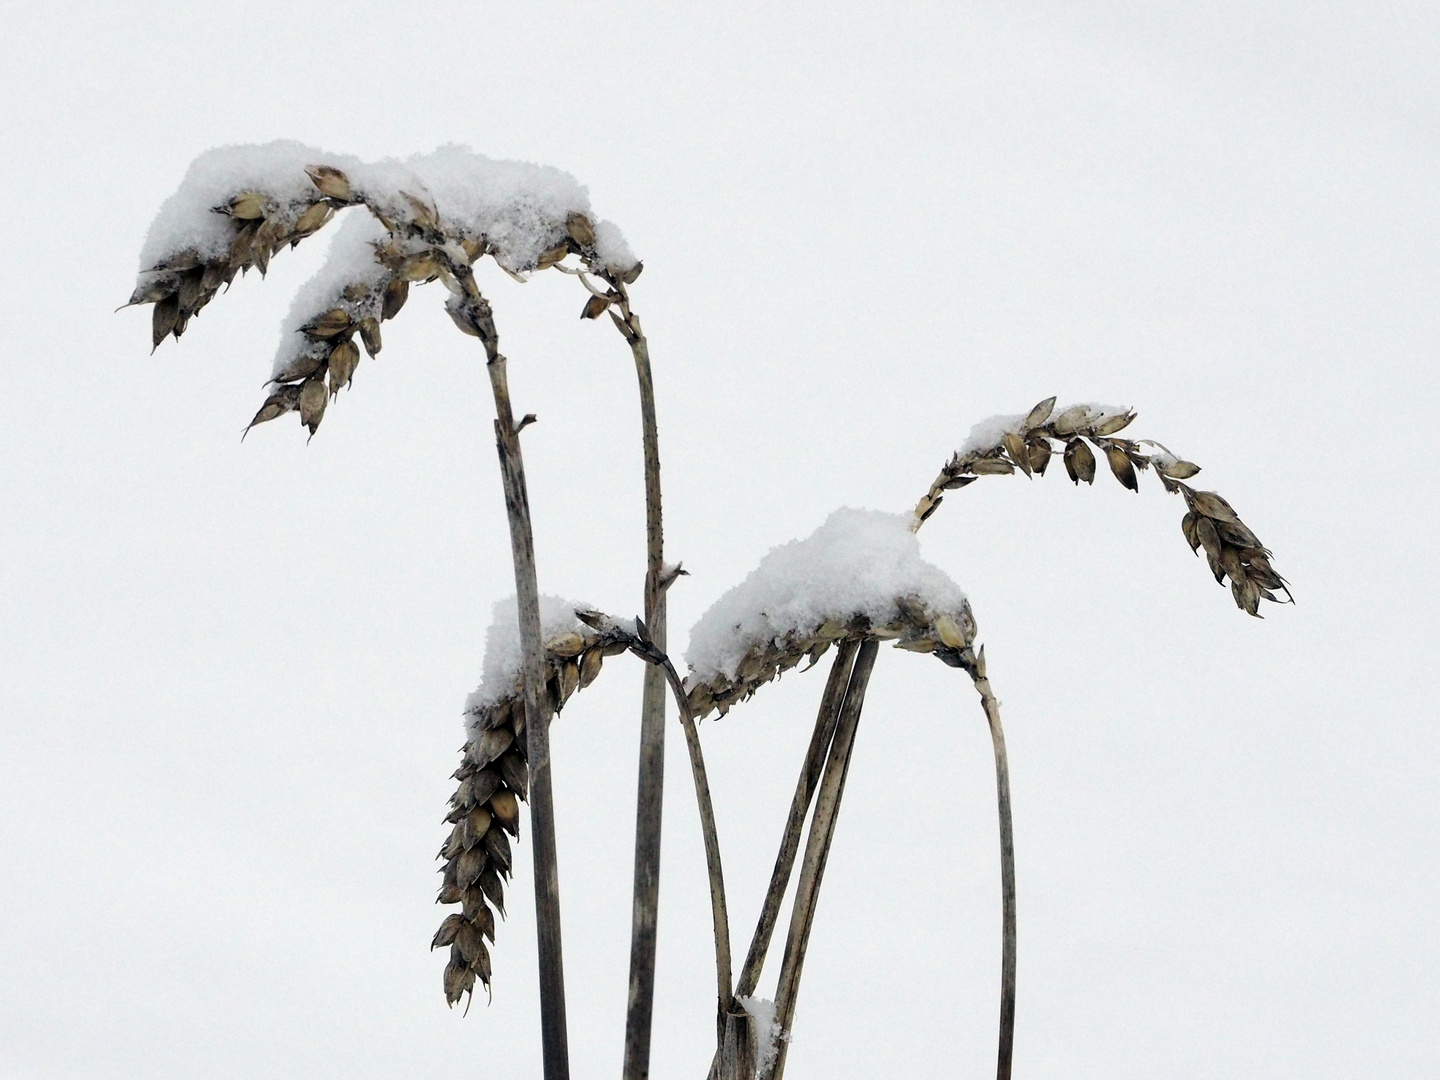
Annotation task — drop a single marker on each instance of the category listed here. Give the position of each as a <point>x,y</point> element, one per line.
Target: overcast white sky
<point>230,676</point>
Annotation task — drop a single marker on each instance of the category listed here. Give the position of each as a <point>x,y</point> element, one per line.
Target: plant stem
<point>799,806</point>
<point>649,796</point>
<point>1007,872</point>
<point>817,851</point>
<point>554,1039</point>
<point>718,915</point>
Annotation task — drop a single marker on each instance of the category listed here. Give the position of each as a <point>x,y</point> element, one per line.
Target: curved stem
<point>817,852</point>
<point>820,741</point>
<point>1007,871</point>
<point>719,917</point>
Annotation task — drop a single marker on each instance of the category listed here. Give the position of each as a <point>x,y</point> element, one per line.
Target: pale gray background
<point>231,675</point>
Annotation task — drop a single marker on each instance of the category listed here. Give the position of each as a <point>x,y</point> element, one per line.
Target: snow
<point>500,673</point>
<point>350,260</point>
<point>988,434</point>
<point>857,563</point>
<point>767,1031</point>
<point>518,207</point>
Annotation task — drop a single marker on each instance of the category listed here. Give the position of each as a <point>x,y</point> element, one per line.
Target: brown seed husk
<point>370,335</point>
<point>1079,461</point>
<point>1122,467</point>
<point>343,360</point>
<point>395,295</point>
<point>506,810</point>
<point>331,182</point>
<point>312,403</point>
<point>580,230</point>
<point>163,319</point>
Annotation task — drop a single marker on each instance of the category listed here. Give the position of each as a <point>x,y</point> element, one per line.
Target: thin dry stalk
<point>817,851</point>
<point>820,741</point>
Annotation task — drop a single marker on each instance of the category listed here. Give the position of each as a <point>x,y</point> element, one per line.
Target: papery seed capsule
<point>343,361</point>
<point>1178,470</point>
<point>449,893</point>
<point>506,810</point>
<point>313,218</point>
<point>247,206</point>
<point>1188,526</point>
<point>1039,451</point>
<point>329,324</point>
<point>1071,420</point>
<point>1039,414</point>
<point>492,745</point>
<point>1212,506</point>
<point>569,680</point>
<point>1079,461</point>
<point>370,335</point>
<point>395,295</point>
<point>919,644</point>
<point>477,788</point>
<point>182,320</point>
<point>448,929</point>
<point>474,247</point>
<point>461,317</point>
<point>1208,537</point>
<point>422,213</point>
<point>991,467</point>
<point>421,267</point>
<point>331,182</point>
<point>472,903</point>
<point>1235,532</point>
<point>469,865</point>
<point>302,367</point>
<point>948,632</point>
<point>493,888</point>
<point>480,964</point>
<point>312,403</point>
<point>497,845</point>
<point>163,319</point>
<point>566,644</point>
<point>552,256</point>
<point>1115,423</point>
<point>467,939</point>
<point>580,230</point>
<point>594,307</point>
<point>634,272</point>
<point>1230,562</point>
<point>483,921</point>
<point>1122,467</point>
<point>148,292</point>
<point>459,980</point>
<point>474,827</point>
<point>590,666</point>
<point>1246,594</point>
<point>1018,451</point>
<point>516,773</point>
<point>240,247</point>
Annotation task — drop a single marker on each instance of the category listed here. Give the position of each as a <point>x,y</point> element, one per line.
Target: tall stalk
<point>1007,869</point>
<point>553,1035</point>
<point>817,851</point>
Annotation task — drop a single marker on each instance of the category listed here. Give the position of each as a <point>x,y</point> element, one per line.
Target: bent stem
<point>649,796</point>
<point>554,1039</point>
<point>817,851</point>
<point>1007,869</point>
<point>820,742</point>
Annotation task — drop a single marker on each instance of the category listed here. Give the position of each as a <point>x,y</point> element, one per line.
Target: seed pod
<point>312,403</point>
<point>247,206</point>
<point>1264,574</point>
<point>1246,594</point>
<point>1039,414</point>
<point>948,632</point>
<point>474,247</point>
<point>483,921</point>
<point>1018,451</point>
<point>566,644</point>
<point>370,335</point>
<point>506,810</point>
<point>469,865</point>
<point>569,681</point>
<point>702,700</point>
<point>301,367</point>
<point>1178,470</point>
<point>331,324</point>
<point>590,666</point>
<point>492,744</point>
<point>1211,505</point>
<point>189,291</point>
<point>552,256</point>
<point>1235,532</point>
<point>163,320</point>
<point>497,846</point>
<point>493,888</point>
<point>264,242</point>
<point>1188,526</point>
<point>1114,424</point>
<point>157,288</point>
<point>473,827</point>
<point>1121,466</point>
<point>517,775</point>
<point>634,272</point>
<point>396,293</point>
<point>467,939</point>
<point>240,247</point>
<point>1230,563</point>
<point>459,980</point>
<point>478,787</point>
<point>580,230</point>
<point>1079,461</point>
<point>313,218</point>
<point>448,929</point>
<point>331,182</point>
<point>918,644</point>
<point>1071,420</point>
<point>422,213</point>
<point>991,467</point>
<point>472,903</point>
<point>594,307</point>
<point>1039,451</point>
<point>1208,537</point>
<point>480,964</point>
<point>343,361</point>
<point>449,893</point>
<point>461,317</point>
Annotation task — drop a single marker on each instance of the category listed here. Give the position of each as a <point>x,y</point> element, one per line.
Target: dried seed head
<point>1115,423</point>
<point>314,218</point>
<point>396,293</point>
<point>1210,504</point>
<point>331,324</point>
<point>343,360</point>
<point>506,809</point>
<point>1079,461</point>
<point>580,230</point>
<point>163,320</point>
<point>551,257</point>
<point>594,307</point>
<point>1039,414</point>
<point>312,403</point>
<point>370,335</point>
<point>1018,451</point>
<point>1121,466</point>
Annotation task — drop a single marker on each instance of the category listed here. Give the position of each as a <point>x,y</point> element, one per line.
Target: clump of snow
<point>767,1031</point>
<point>500,674</point>
<point>186,220</point>
<point>518,207</point>
<point>990,433</point>
<point>857,563</point>
<point>350,260</point>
